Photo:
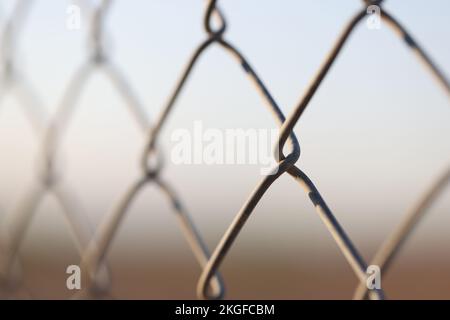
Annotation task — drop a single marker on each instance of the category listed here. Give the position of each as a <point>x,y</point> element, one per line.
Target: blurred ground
<point>173,275</point>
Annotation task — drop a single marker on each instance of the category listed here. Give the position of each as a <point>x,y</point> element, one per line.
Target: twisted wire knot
<point>213,11</point>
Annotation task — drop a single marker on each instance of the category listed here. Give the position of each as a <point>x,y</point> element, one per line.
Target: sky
<point>374,136</point>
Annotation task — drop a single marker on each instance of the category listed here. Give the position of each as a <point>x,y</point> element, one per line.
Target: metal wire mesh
<point>93,246</point>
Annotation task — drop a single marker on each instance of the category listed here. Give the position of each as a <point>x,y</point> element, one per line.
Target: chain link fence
<point>93,245</point>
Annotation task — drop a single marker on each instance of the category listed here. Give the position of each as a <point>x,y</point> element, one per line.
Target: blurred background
<point>374,137</point>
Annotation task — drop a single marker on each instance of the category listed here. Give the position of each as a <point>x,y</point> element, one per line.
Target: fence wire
<point>93,246</point>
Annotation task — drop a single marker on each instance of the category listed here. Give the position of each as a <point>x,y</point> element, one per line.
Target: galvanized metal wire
<point>48,179</point>
<point>93,246</point>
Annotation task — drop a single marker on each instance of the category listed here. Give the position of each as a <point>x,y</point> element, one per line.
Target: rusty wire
<point>326,215</point>
<point>287,164</point>
<point>93,247</point>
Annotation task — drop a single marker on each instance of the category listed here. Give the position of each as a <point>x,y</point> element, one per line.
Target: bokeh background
<point>373,138</point>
